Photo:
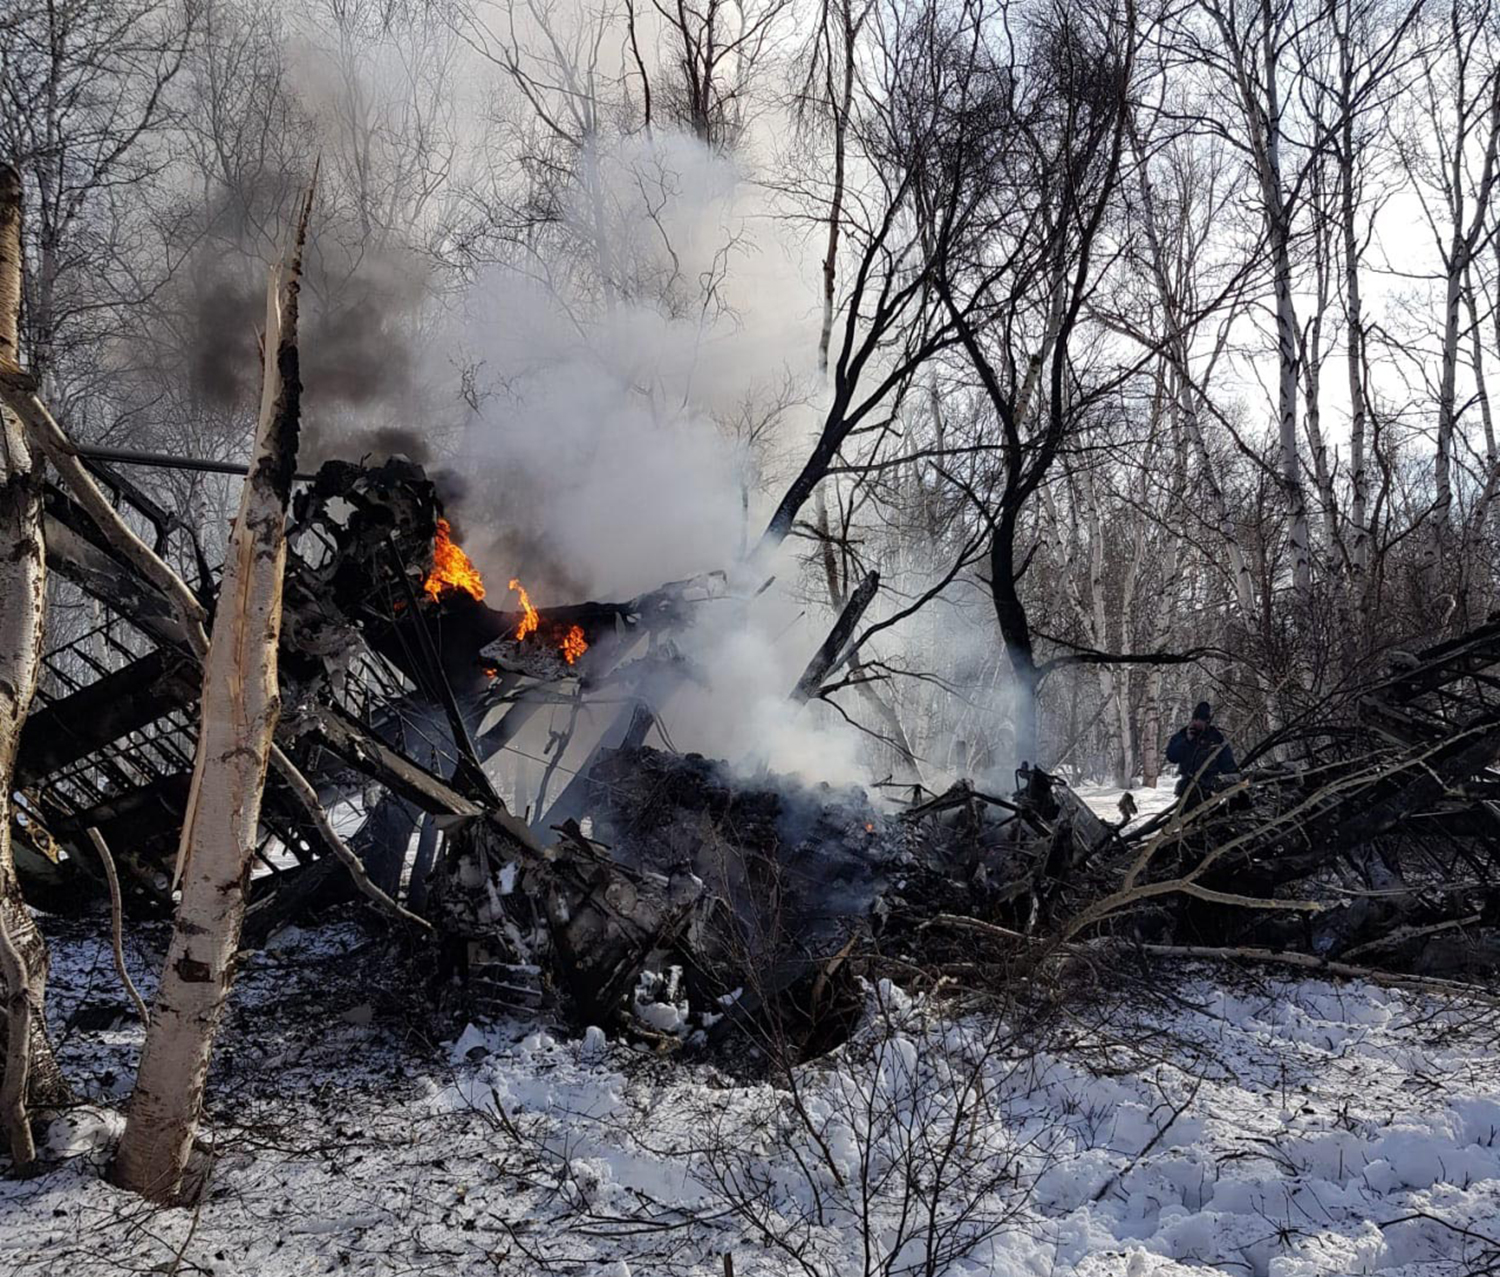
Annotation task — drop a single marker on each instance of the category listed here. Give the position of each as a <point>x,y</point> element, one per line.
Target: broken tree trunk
<point>31,1076</point>
<point>835,647</point>
<point>219,833</point>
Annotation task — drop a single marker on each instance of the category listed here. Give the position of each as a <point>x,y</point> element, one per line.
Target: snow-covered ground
<point>1259,1127</point>
<point>1105,799</point>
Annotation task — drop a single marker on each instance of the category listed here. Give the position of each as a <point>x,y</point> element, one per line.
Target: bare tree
<point>85,89</point>
<point>1452,155</point>
<point>712,48</point>
<point>1030,171</point>
<point>1249,56</point>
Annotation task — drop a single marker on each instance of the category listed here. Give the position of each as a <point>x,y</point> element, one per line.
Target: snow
<point>1192,1121</point>
<point>1105,799</point>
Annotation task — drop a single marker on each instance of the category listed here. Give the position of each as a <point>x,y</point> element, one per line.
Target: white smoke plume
<point>599,456</point>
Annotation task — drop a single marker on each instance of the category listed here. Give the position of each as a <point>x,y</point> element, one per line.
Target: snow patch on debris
<point>1287,1129</point>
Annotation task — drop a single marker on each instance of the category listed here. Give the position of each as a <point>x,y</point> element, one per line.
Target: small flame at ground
<point>451,569</point>
<point>529,618</point>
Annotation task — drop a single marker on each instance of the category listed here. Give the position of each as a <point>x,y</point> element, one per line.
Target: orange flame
<point>451,569</point>
<point>570,644</point>
<point>574,644</point>
<point>530,620</point>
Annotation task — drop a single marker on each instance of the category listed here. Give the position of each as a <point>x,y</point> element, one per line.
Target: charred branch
<point>835,649</point>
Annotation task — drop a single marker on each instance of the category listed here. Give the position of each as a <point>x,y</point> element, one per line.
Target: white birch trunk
<point>1166,615</point>
<point>1165,618</point>
<point>1098,625</point>
<point>1468,230</point>
<point>31,1076</point>
<point>1261,106</point>
<point>1129,588</point>
<point>1278,217</point>
<point>1359,478</point>
<point>238,718</point>
<point>1312,372</point>
<point>1485,507</point>
<point>1442,470</point>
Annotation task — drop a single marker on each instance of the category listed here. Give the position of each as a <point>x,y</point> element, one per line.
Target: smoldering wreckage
<point>359,663</point>
<point>662,895</point>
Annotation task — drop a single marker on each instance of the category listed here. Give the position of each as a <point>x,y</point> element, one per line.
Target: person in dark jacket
<point>1202,755</point>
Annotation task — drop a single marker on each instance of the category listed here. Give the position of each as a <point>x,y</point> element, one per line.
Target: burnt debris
<point>666,894</point>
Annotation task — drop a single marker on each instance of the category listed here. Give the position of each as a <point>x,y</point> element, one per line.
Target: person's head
<point>1202,715</point>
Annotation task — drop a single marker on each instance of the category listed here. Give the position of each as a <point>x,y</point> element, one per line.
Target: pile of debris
<point>666,892</point>
<point>754,896</point>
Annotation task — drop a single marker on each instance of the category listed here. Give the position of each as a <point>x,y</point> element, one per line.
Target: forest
<point>750,636</point>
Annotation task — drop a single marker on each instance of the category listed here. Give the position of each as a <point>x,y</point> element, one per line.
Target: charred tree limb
<point>116,908</point>
<point>1473,751</point>
<point>835,648</point>
<point>76,556</point>
<point>335,845</point>
<point>371,756</point>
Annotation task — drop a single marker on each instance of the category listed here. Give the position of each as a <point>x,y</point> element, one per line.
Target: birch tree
<point>31,1077</point>
<point>84,88</point>
<point>1249,56</point>
<point>237,721</point>
<point>1452,155</point>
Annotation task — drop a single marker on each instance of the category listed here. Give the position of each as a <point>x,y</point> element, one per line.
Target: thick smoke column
<point>599,447</point>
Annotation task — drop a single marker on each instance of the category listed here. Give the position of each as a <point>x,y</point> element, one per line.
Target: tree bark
<point>32,1077</point>
<point>1359,479</point>
<point>238,719</point>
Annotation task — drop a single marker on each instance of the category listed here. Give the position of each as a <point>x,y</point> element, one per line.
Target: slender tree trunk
<point>1359,479</point>
<point>836,199</point>
<point>1180,370</point>
<point>1312,372</point>
<point>1124,700</point>
<point>1015,635</point>
<point>237,722</point>
<point>1468,230</point>
<point>1093,613</point>
<point>1479,565</point>
<point>1260,102</point>
<point>1151,716</point>
<point>1166,608</point>
<point>31,1077</point>
<point>1484,511</point>
<point>1447,403</point>
<point>1278,216</point>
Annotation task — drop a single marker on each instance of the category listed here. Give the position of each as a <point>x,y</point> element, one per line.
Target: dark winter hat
<point>1203,710</point>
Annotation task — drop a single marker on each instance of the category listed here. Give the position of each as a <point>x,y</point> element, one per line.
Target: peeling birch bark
<point>31,1078</point>
<point>237,723</point>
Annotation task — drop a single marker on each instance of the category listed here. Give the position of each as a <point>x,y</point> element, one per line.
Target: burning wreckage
<point>663,892</point>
